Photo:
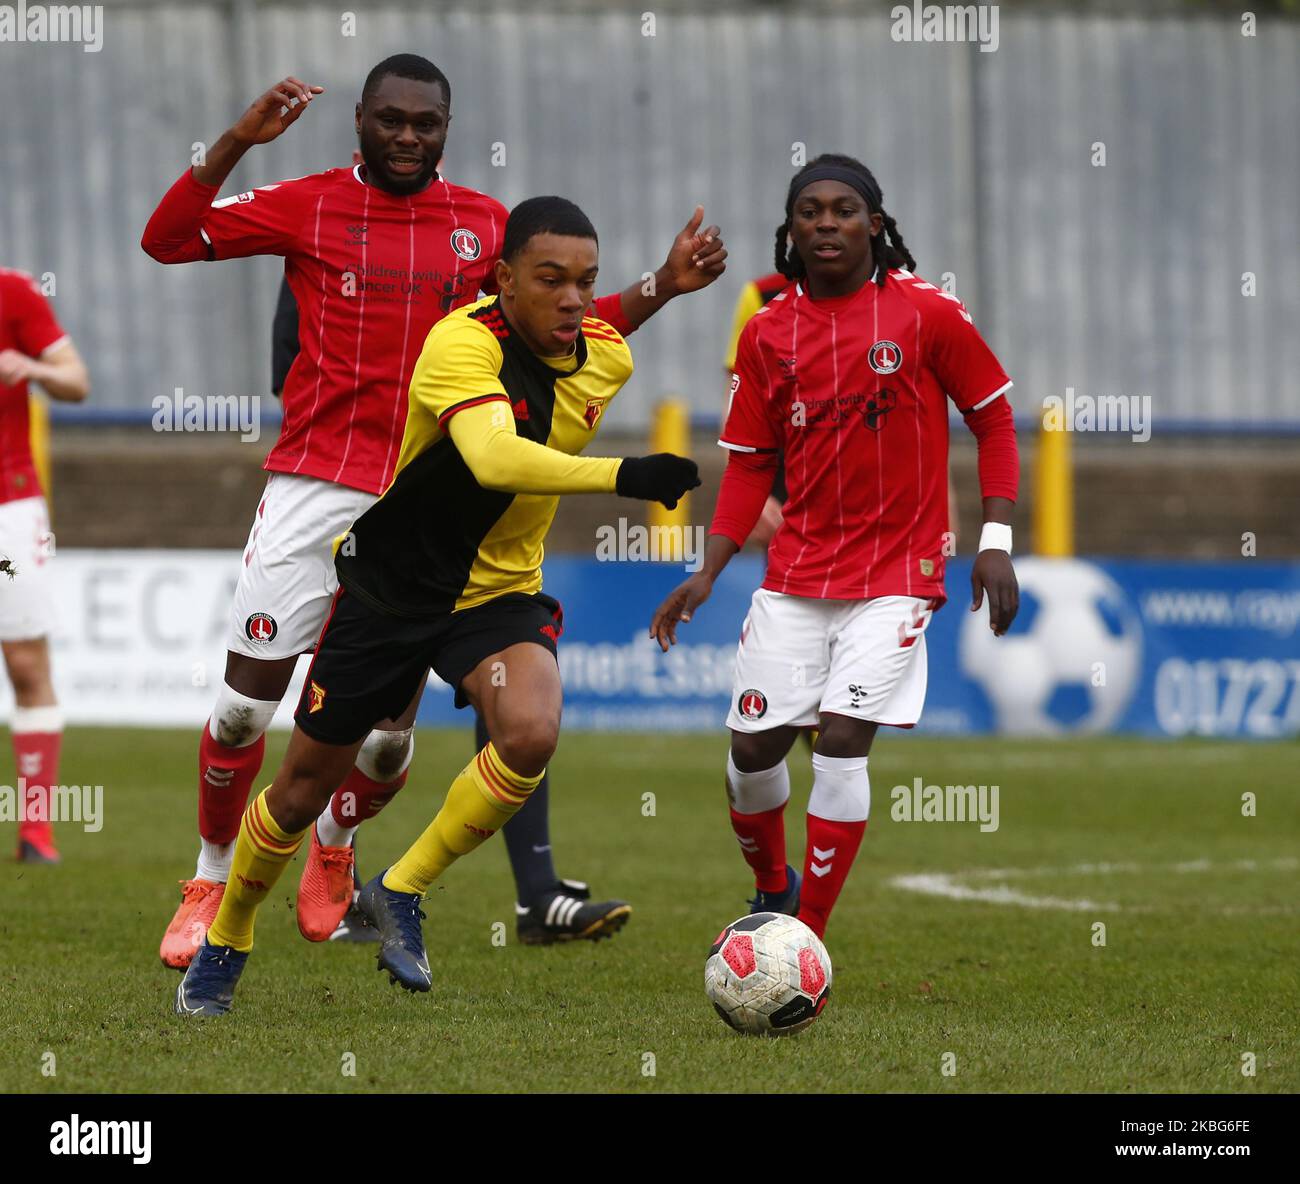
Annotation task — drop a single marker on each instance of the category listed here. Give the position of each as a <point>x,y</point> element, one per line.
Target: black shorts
<point>369,664</point>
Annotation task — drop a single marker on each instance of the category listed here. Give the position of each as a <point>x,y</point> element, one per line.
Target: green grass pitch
<point>1199,967</point>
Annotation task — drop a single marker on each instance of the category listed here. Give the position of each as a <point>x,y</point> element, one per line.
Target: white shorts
<point>800,656</point>
<point>288,580</point>
<point>26,600</point>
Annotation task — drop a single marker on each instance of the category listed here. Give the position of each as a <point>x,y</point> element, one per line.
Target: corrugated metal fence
<point>1117,279</point>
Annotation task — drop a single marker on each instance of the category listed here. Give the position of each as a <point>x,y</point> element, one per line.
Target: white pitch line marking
<point>1156,758</point>
<point>956,886</point>
<point>938,884</point>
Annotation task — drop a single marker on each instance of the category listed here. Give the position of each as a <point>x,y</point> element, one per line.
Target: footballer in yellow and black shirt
<point>445,568</point>
<point>445,536</point>
<point>444,571</point>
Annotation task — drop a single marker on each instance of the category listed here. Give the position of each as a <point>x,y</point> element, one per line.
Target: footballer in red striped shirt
<point>33,348</point>
<point>375,256</point>
<point>848,372</point>
<point>855,390</point>
<point>371,270</point>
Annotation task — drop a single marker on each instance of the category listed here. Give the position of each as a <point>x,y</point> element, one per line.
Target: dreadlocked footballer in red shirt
<point>848,372</point>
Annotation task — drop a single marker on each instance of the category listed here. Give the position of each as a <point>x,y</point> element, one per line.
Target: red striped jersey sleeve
<point>264,221</point>
<point>966,368</point>
<point>746,426</point>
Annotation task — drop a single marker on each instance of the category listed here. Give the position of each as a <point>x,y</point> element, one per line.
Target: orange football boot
<point>200,900</point>
<point>325,890</point>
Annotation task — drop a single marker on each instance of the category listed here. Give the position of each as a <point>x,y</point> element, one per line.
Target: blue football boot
<point>208,987</point>
<point>779,902</point>
<point>397,917</point>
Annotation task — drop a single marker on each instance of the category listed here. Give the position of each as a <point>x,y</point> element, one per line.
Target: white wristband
<point>996,536</point>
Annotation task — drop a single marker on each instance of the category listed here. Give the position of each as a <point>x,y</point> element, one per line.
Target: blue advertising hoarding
<point>1165,649</point>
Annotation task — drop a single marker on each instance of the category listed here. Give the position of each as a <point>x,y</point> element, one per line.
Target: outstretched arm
<point>484,435</point>
<point>268,117</point>
<point>746,483</point>
<point>174,231</point>
<point>696,258</point>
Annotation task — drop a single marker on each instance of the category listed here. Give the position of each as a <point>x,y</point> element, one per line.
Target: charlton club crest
<point>260,628</point>
<point>885,357</point>
<point>752,704</point>
<point>465,243</point>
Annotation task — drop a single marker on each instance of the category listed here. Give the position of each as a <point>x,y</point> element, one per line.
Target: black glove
<point>659,478</point>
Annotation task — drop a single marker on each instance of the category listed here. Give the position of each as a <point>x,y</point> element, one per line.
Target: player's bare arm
<point>175,231</point>
<point>60,371</point>
<point>993,573</point>
<point>696,258</point>
<point>269,115</point>
<point>683,600</point>
<point>742,498</point>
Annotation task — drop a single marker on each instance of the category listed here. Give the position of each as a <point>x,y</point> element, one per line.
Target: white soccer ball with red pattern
<point>768,975</point>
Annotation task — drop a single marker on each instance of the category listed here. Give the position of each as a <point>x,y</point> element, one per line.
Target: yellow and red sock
<point>261,853</point>
<point>482,799</point>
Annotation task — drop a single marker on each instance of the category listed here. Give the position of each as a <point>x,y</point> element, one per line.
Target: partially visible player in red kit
<point>848,372</point>
<point>33,348</point>
<point>375,255</point>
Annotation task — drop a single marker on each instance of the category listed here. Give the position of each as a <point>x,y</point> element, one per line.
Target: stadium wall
<point>1164,649</point>
<point>1117,278</point>
<point>1177,497</point>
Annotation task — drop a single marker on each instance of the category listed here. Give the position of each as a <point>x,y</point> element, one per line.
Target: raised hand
<point>274,111</point>
<point>697,257</point>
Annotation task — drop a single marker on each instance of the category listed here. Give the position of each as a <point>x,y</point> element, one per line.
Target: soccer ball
<point>768,975</point>
<point>1072,660</point>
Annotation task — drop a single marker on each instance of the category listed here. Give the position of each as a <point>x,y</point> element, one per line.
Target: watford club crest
<point>317,698</point>
<point>591,416</point>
